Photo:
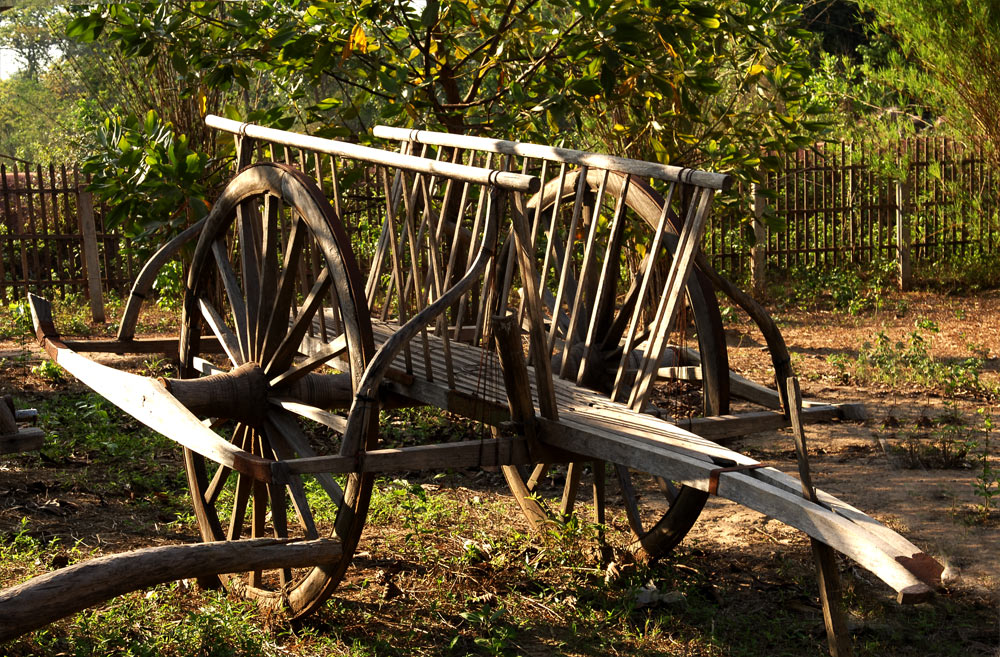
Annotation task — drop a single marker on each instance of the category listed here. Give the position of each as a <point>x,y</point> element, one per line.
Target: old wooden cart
<point>558,297</point>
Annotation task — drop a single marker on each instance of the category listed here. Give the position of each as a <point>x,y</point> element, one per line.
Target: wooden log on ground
<point>54,595</point>
<point>25,440</point>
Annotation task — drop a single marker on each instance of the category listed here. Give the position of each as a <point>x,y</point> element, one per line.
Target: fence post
<point>903,235</point>
<point>758,252</point>
<point>91,262</point>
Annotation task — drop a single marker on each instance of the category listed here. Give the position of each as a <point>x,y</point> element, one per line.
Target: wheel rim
<point>658,513</point>
<point>272,276</point>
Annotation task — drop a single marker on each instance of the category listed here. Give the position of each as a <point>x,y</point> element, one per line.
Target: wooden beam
<point>541,152</point>
<point>464,454</point>
<point>837,633</point>
<point>91,258</point>
<point>168,346</point>
<point>145,399</point>
<point>57,594</point>
<point>896,562</point>
<point>720,427</point>
<point>502,179</point>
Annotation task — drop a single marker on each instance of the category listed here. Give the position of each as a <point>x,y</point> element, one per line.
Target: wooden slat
<point>503,180</point>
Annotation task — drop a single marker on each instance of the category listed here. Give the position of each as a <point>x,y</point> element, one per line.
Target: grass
<point>446,567</point>
<point>72,316</point>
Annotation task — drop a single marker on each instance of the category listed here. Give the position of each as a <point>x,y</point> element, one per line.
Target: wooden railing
<point>52,237</point>
<point>920,200</point>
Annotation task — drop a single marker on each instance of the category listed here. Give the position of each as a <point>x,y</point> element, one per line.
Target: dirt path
<point>867,464</point>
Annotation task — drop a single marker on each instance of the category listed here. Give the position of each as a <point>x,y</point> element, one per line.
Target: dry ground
<point>744,555</point>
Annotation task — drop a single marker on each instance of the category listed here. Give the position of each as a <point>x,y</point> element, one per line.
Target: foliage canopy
<point>955,45</point>
<point>688,82</point>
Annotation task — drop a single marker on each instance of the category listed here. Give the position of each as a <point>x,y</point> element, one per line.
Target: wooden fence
<point>922,200</point>
<point>53,238</point>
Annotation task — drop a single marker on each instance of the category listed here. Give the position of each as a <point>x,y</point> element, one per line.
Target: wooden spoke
<point>230,343</point>
<point>258,517</point>
<point>301,506</point>
<point>335,422</point>
<point>269,271</point>
<point>233,293</point>
<point>536,476</point>
<point>667,487</point>
<point>630,500</point>
<point>286,432</point>
<point>248,221</point>
<point>333,350</point>
<point>290,344</point>
<point>279,520</point>
<point>222,473</point>
<point>238,515</point>
<point>277,323</point>
<point>620,324</point>
<point>295,487</point>
<point>217,484</point>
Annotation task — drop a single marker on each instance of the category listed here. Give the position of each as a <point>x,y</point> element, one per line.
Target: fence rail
<point>53,238</point>
<point>920,200</point>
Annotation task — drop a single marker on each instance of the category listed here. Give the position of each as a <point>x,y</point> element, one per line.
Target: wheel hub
<point>240,394</point>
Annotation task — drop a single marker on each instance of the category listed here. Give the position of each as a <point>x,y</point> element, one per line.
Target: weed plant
<point>133,460</point>
<point>907,361</point>
<point>987,482</point>
<point>945,441</point>
<point>846,288</point>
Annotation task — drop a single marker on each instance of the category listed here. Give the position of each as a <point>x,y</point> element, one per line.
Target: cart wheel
<point>659,512</point>
<point>273,276</point>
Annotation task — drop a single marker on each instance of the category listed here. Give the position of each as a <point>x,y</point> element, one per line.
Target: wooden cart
<point>558,297</point>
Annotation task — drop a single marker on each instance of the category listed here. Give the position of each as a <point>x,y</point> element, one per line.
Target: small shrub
<point>20,324</point>
<point>846,288</point>
<point>169,286</point>
<point>50,371</point>
<point>896,362</point>
<point>987,482</point>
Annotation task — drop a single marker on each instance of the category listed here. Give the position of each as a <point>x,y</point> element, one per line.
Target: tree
<point>39,122</point>
<point>955,45</point>
<point>25,31</point>
<point>683,81</point>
